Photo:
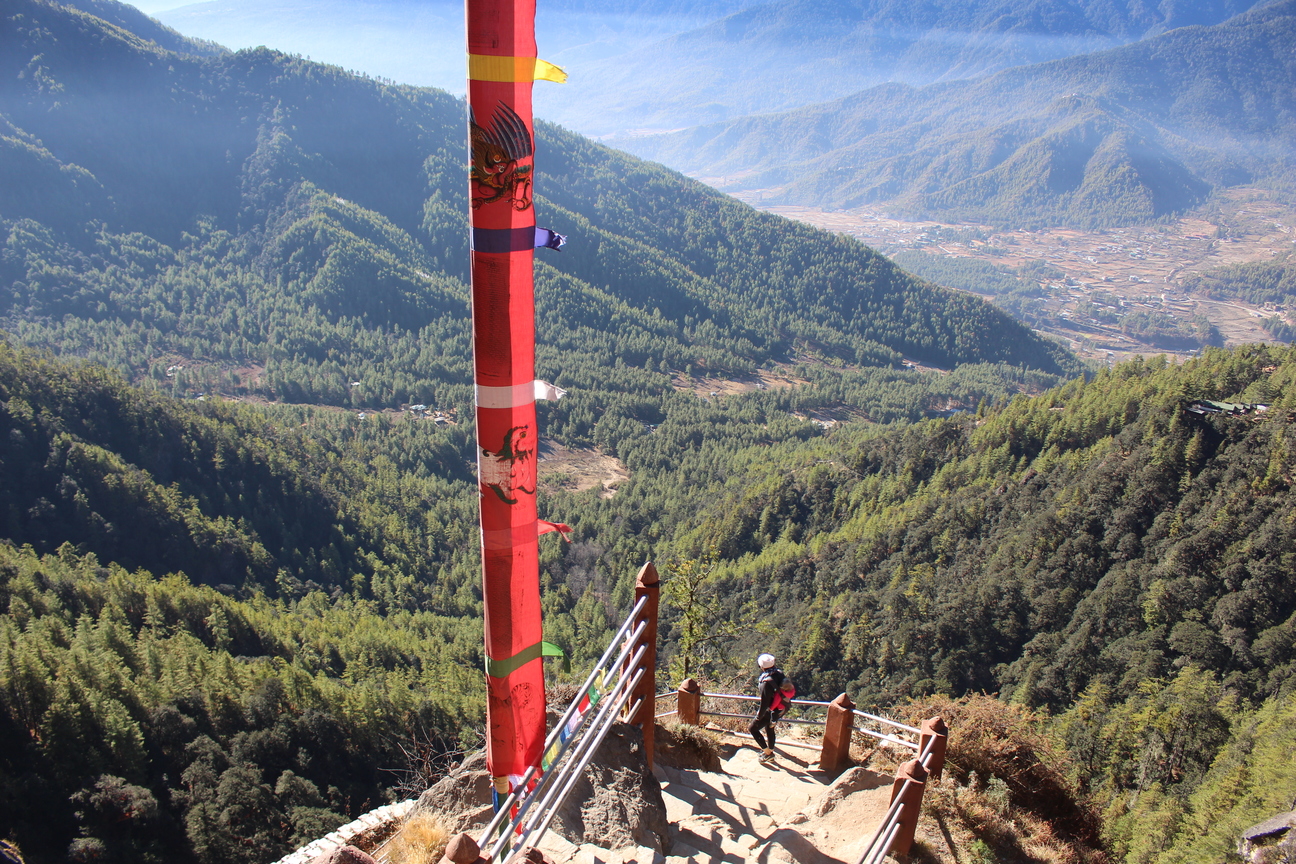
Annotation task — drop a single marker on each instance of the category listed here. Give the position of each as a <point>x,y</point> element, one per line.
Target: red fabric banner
<point>502,48</point>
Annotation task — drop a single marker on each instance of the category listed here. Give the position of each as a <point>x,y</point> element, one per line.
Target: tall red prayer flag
<point>501,70</point>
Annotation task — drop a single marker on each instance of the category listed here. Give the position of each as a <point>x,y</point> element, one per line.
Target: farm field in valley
<point>1143,267</point>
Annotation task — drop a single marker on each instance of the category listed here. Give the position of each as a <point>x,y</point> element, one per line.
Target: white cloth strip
<point>548,392</point>
<point>518,395</point>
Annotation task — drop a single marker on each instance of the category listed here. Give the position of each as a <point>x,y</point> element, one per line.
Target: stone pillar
<point>911,796</point>
<point>835,754</point>
<point>647,585</point>
<point>935,731</point>
<point>688,705</point>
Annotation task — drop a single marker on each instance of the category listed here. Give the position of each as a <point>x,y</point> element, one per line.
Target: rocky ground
<point>750,812</point>
<point>786,813</point>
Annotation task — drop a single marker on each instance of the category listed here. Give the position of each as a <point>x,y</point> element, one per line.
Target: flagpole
<point>501,71</point>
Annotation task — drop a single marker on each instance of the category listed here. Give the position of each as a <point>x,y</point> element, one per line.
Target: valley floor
<point>1143,266</point>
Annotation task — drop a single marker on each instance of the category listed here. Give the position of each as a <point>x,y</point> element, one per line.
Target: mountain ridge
<point>813,51</point>
<point>911,148</point>
<point>241,133</point>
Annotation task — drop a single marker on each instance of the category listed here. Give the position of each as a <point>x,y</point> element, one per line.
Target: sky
<point>419,42</point>
<point>151,7</point>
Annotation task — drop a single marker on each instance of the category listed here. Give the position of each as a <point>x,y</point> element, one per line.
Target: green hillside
<point>1259,283</point>
<point>218,635</point>
<point>1096,551</point>
<point>224,627</point>
<point>1115,137</point>
<point>262,212</point>
<point>132,20</point>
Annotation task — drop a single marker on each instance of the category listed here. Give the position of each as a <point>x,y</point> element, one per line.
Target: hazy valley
<point>1120,269</point>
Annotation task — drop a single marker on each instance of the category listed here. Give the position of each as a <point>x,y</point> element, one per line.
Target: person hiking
<point>769,684</point>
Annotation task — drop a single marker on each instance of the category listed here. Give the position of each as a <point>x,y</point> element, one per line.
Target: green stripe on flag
<point>509,665</point>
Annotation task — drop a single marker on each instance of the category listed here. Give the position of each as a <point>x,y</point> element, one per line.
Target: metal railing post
<point>931,745</point>
<point>835,753</point>
<point>910,781</point>
<point>688,705</point>
<point>648,588</point>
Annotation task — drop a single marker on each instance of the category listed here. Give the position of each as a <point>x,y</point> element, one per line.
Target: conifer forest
<point>240,579</point>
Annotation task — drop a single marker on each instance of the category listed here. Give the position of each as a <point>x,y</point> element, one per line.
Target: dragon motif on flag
<point>499,470</point>
<point>497,150</point>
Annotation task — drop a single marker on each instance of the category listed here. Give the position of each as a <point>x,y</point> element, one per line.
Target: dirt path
<point>788,813</point>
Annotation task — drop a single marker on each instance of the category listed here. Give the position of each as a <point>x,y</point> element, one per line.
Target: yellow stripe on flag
<point>546,71</point>
<point>488,67</point>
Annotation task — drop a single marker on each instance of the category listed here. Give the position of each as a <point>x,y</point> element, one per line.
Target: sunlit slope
<point>320,199</point>
<point>1098,533</point>
<point>1114,137</point>
<point>779,56</point>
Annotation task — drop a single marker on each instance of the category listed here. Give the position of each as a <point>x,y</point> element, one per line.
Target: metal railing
<point>928,745</point>
<point>882,736</point>
<point>801,703</point>
<point>569,746</point>
<point>880,844</point>
<point>666,695</point>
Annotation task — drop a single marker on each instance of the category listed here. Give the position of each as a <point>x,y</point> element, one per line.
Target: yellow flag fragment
<point>487,67</point>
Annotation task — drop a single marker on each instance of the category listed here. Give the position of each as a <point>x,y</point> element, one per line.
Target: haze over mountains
<point>422,43</point>
<point>778,56</point>
<point>661,64</point>
<point>1115,137</point>
<point>341,195</point>
<point>1103,133</point>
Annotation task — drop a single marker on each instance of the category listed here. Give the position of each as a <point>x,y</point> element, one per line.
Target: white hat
<point>765,661</point>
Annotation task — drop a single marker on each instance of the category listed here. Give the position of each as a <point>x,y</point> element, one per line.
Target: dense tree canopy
<point>237,580</point>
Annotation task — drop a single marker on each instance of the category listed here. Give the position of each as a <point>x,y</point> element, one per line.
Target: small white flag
<point>547,391</point>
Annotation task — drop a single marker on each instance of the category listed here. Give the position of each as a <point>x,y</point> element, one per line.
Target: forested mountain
<point>220,626</point>
<point>1096,551</point>
<point>147,717</point>
<point>793,54</point>
<point>1113,137</point>
<point>261,212</point>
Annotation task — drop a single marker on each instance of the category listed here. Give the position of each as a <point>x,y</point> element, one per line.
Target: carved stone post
<point>911,796</point>
<point>688,705</point>
<point>935,731</point>
<point>461,849</point>
<point>835,753</point>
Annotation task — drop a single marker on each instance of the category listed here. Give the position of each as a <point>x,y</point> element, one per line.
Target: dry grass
<point>421,840</point>
<point>985,827</point>
<point>736,725</point>
<point>1006,795</point>
<point>688,747</point>
<point>559,696</point>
